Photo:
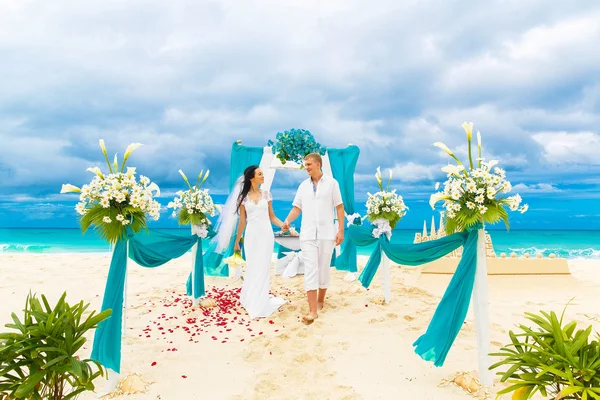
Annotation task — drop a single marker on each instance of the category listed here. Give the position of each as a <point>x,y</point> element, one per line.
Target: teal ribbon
<point>107,337</point>
<point>450,313</point>
<point>150,251</point>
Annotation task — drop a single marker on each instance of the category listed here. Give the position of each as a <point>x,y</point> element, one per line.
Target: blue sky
<point>188,78</point>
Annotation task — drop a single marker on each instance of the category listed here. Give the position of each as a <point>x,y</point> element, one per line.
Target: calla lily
<point>153,187</point>
<point>452,169</point>
<point>130,149</point>
<point>128,152</point>
<point>492,163</point>
<point>116,163</point>
<point>102,146</point>
<point>443,147</point>
<point>68,188</point>
<point>205,176</point>
<point>478,139</point>
<point>468,127</point>
<point>183,175</point>
<point>96,171</point>
<point>185,178</point>
<point>434,198</point>
<point>130,171</point>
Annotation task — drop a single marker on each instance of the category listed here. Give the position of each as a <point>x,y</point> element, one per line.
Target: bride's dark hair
<point>246,185</point>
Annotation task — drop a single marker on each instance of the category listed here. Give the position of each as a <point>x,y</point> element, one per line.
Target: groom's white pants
<point>316,258</point>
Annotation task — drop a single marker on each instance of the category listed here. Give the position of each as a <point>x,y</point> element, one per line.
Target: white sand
<point>356,350</point>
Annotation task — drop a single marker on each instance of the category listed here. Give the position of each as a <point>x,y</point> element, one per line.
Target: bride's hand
<point>237,248</point>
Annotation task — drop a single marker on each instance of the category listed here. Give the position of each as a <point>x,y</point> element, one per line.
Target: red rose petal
<point>153,364</point>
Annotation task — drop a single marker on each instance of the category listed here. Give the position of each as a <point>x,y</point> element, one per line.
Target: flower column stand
<point>480,301</point>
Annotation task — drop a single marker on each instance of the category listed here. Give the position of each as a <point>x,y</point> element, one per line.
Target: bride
<point>255,210</point>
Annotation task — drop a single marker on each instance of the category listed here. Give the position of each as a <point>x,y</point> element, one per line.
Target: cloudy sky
<point>187,78</point>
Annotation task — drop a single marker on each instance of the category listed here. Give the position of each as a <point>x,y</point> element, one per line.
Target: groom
<point>316,199</point>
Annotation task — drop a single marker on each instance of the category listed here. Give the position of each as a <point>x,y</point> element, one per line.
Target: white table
<point>290,242</point>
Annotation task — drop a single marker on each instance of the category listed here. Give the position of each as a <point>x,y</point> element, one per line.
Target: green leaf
<point>29,384</point>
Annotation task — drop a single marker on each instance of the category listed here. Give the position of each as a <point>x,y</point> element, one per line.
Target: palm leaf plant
<point>554,359</point>
<point>38,357</point>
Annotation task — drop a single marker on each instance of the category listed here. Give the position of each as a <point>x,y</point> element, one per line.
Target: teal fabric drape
<point>155,249</point>
<point>450,313</point>
<point>107,337</point>
<point>343,164</point>
<point>241,158</point>
<point>198,275</point>
<point>150,251</point>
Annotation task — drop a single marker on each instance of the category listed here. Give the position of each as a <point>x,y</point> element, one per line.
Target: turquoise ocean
<point>570,244</point>
<point>567,244</point>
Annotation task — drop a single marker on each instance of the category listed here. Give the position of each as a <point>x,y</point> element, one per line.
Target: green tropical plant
<point>551,359</point>
<point>39,360</point>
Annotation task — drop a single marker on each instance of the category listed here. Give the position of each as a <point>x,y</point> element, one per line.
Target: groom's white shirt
<point>318,208</point>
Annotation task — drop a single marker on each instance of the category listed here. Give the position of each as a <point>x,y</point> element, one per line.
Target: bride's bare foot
<point>320,306</point>
<point>309,319</point>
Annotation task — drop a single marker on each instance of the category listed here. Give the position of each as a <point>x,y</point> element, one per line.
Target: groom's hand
<point>286,226</point>
<point>339,238</point>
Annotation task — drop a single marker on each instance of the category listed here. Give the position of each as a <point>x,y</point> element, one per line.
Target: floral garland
<point>294,145</point>
<point>113,201</point>
<point>477,194</point>
<point>193,206</point>
<point>385,205</point>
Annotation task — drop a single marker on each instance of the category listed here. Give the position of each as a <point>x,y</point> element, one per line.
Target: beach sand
<point>357,349</point>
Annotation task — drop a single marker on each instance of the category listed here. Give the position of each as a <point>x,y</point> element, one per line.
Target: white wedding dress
<point>258,246</point>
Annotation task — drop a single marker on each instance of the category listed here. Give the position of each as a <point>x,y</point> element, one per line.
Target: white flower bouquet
<point>193,206</point>
<point>113,201</point>
<point>474,194</point>
<point>385,204</point>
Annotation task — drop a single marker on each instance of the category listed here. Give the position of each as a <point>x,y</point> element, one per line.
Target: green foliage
<point>115,230</point>
<point>551,359</point>
<point>466,218</point>
<point>39,360</point>
<point>197,218</point>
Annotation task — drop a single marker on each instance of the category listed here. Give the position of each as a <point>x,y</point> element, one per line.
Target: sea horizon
<point>570,244</point>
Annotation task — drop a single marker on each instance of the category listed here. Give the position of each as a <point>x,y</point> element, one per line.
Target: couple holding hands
<point>319,201</point>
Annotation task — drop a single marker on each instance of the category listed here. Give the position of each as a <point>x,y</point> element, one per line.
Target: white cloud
<point>202,75</point>
<point>535,188</point>
<point>570,148</point>
<point>412,172</point>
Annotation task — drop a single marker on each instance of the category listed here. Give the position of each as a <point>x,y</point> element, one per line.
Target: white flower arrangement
<point>112,201</point>
<point>478,194</point>
<point>194,205</point>
<point>385,204</point>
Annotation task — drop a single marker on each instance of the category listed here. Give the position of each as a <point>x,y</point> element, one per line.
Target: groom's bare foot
<point>309,319</point>
<point>320,305</point>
